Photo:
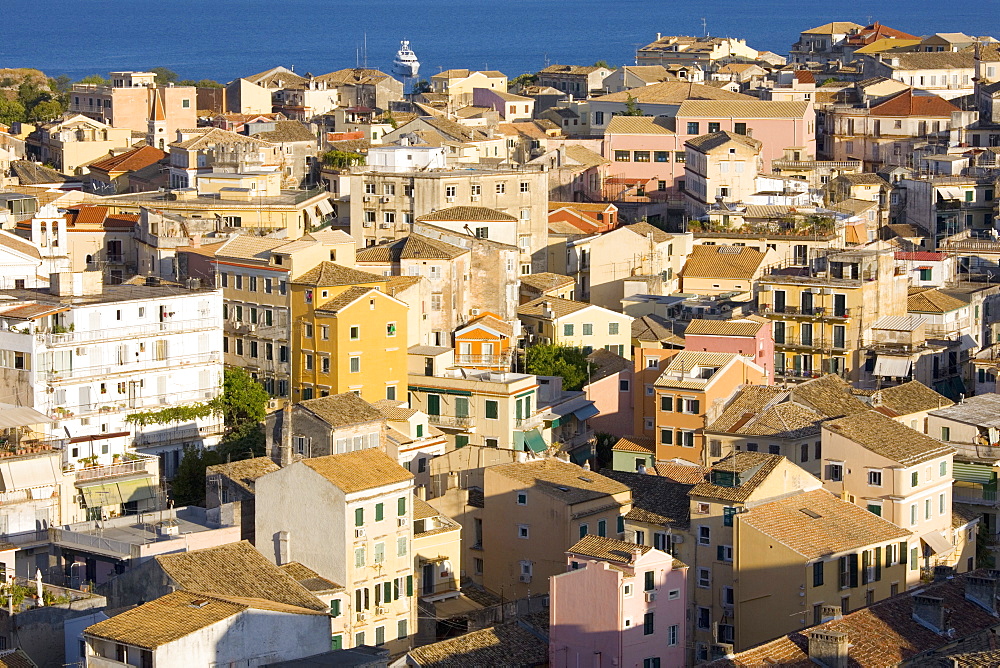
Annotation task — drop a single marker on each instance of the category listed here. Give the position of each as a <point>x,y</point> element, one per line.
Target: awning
<point>937,543</point>
<point>106,494</point>
<point>588,411</point>
<point>579,456</point>
<point>20,416</point>
<point>533,441</point>
<point>136,490</point>
<point>324,207</point>
<point>972,473</point>
<point>892,366</point>
<point>950,193</point>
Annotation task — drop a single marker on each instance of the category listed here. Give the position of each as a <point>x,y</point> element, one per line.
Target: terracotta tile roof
<point>932,301</point>
<point>644,229</point>
<point>410,247</point>
<point>908,103</point>
<point>605,363</point>
<point>397,284</point>
<point>244,472</point>
<point>638,125</point>
<point>742,108</point>
<point>883,634</point>
<point>757,465</point>
<point>571,69</point>
<point>452,130</point>
<point>710,142</point>
<point>640,444</point>
<point>723,327</point>
<point>469,213</point>
<point>328,274</point>
<point>834,28</point>
<point>245,247</point>
<point>130,161</point>
<point>829,395</point>
<point>886,437</point>
<point>749,401</point>
<point>344,299</point>
<point>508,645</point>
<point>920,256</point>
<point>310,579</point>
<point>656,500</point>
<point>341,410</point>
<point>16,658</point>
<point>546,280</point>
<point>754,412</point>
<point>359,470</point>
<point>911,397</point>
<point>488,320</point>
<point>714,262</point>
<point>561,480</point>
<point>287,131</point>
<point>559,306</point>
<point>275,76</point>
<point>235,569</point>
<point>584,156</point>
<point>353,75</point>
<point>839,527</point>
<point>654,328</point>
<point>935,60</point>
<point>394,410</point>
<point>680,471</point>
<point>16,243</point>
<point>213,137</point>
<point>607,549</point>
<point>29,173</point>
<point>672,92</point>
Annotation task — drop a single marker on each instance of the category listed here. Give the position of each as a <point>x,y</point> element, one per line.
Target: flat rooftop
<point>109,293</point>
<point>286,198</point>
<point>142,529</point>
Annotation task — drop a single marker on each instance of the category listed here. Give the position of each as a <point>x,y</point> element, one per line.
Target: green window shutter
<point>337,642</point>
<point>409,585</point>
<point>492,409</point>
<point>878,564</point>
<point>387,587</point>
<point>853,569</point>
<point>359,517</point>
<point>461,440</point>
<point>866,563</point>
<point>901,553</point>
<point>720,553</point>
<point>583,530</point>
<point>818,574</point>
<point>379,512</point>
<point>335,607</point>
<point>401,506</point>
<point>621,524</point>
<point>434,404</point>
<point>420,431</point>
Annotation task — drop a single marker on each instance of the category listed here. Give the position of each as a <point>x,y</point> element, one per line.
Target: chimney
<point>830,613</point>
<point>942,573</point>
<point>283,547</point>
<point>929,611</point>
<point>285,456</point>
<point>828,648</point>
<point>196,241</point>
<point>982,591</point>
<point>636,553</point>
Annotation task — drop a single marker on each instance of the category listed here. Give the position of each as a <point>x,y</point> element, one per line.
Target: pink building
<point>750,337</point>
<point>618,604</point>
<point>610,388</point>
<point>777,125</point>
<point>644,150</point>
<point>510,107</point>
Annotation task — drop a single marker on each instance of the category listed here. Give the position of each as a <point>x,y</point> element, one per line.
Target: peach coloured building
<point>618,601</point>
<point>644,149</point>
<point>484,343</point>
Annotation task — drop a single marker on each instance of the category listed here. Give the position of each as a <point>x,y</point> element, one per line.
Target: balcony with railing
<point>163,435</point>
<point>483,360</point>
<point>807,312</point>
<point>134,464</point>
<point>797,374</point>
<point>451,421</point>
<point>81,373</point>
<point>128,332</point>
<point>974,494</point>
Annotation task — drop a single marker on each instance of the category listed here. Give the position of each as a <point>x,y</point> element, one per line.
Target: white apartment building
<point>385,204</point>
<point>89,356</point>
<point>349,518</point>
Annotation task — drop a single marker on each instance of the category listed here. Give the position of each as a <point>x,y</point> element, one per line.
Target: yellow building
<point>347,335</point>
<point>821,312</point>
<point>830,556</point>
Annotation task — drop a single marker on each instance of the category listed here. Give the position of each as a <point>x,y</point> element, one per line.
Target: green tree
<point>45,111</point>
<point>631,108</point>
<point>341,159</point>
<point>164,75</point>
<point>11,111</point>
<point>604,64</point>
<point>422,86</point>
<point>549,359</point>
<point>243,403</point>
<point>95,79</point>
<point>202,83</point>
<point>188,485</point>
<point>521,81</point>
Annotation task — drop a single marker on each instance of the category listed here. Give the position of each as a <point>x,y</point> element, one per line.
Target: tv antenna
<point>704,27</point>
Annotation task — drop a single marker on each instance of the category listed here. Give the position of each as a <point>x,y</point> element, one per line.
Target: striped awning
<point>892,366</point>
<point>973,473</point>
<point>534,441</point>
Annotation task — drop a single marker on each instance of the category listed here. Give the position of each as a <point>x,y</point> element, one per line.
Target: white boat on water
<point>406,63</point>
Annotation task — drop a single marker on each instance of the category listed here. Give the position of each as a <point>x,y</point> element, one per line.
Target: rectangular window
<point>355,364</point>
<point>379,512</point>
<point>622,156</point>
<point>355,332</point>
<point>401,506</point>
<point>875,478</point>
<point>641,156</point>
<point>661,156</point>
<point>649,580</point>
<point>568,330</point>
<point>492,409</point>
<point>914,479</point>
<point>588,329</point>
<point>943,469</point>
<point>401,546</point>
<point>359,557</point>
<point>818,574</point>
<point>945,436</point>
<point>704,618</point>
<point>647,624</point>
<point>693,128</point>
<point>359,517</point>
<point>704,535</point>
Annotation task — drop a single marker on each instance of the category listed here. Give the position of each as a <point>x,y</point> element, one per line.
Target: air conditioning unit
<point>366,224</point>
<point>525,578</point>
<point>727,609</point>
<point>474,311</point>
<point>449,199</point>
<point>81,351</point>
<point>676,538</point>
<point>382,610</point>
<point>362,616</point>
<point>401,522</point>
<point>359,533</point>
<point>383,226</point>
<point>765,288</point>
<point>386,200</point>
<point>366,199</point>
<point>251,328</point>
<point>272,404</point>
<point>650,596</point>
<point>475,198</point>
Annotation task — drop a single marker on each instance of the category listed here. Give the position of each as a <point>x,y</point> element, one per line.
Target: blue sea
<point>225,39</point>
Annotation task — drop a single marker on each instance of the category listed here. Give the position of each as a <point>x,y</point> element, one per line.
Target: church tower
<point>156,130</point>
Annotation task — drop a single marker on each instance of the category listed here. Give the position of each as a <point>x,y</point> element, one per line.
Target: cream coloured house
<point>577,324</point>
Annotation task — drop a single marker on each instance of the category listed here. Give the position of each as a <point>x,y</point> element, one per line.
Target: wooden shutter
<point>878,564</point>
<point>409,585</point>
<point>853,569</point>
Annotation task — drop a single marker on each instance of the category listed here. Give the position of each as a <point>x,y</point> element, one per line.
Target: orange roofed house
<point>590,218</point>
<point>484,343</point>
